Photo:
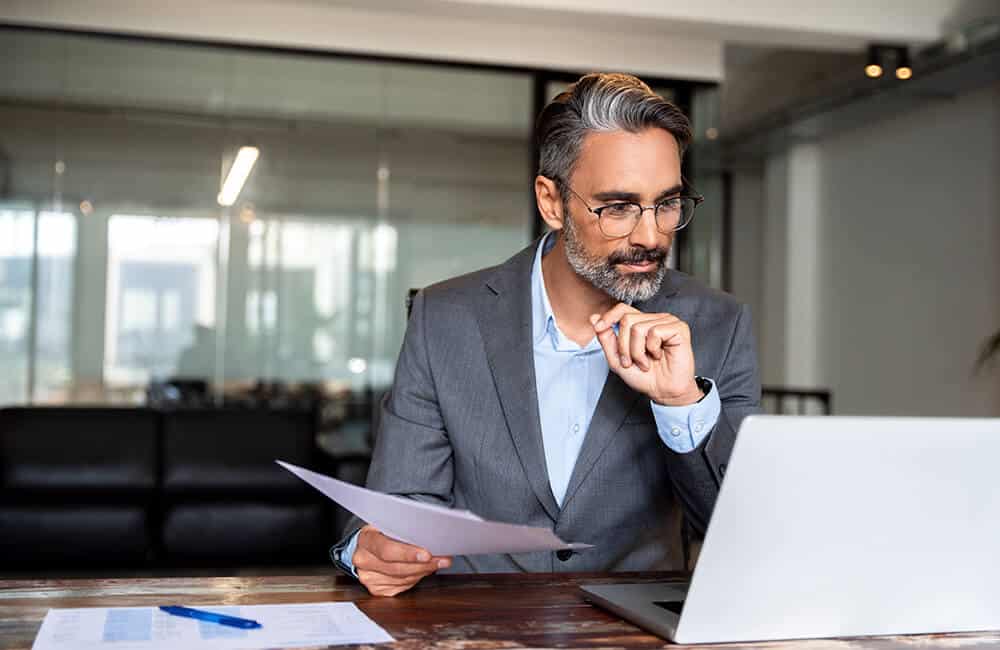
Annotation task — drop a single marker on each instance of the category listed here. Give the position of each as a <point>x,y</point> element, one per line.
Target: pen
<point>201,615</point>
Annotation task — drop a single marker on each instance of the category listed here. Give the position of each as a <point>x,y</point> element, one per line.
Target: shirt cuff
<point>344,555</point>
<point>683,428</point>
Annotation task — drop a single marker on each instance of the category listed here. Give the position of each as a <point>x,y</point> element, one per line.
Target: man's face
<point>644,168</point>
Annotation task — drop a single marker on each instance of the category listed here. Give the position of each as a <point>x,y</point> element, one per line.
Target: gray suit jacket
<point>461,428</point>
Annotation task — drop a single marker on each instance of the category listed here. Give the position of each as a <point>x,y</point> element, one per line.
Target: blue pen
<point>212,617</point>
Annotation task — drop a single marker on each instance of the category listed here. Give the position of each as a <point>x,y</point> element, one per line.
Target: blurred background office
<point>211,215</point>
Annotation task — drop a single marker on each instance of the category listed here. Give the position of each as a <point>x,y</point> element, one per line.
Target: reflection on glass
<point>17,233</point>
<point>161,294</point>
<point>35,339</point>
<point>53,344</point>
<point>300,292</point>
<point>373,178</point>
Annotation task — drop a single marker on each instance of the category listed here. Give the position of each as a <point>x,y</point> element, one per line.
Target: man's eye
<point>672,203</point>
<point>618,210</point>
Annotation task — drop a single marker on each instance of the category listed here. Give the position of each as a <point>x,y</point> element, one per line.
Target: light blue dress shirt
<point>569,380</point>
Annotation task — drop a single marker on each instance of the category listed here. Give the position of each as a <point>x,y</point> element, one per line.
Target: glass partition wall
<point>123,265</point>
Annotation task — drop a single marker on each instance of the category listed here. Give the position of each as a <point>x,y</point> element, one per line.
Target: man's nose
<point>645,233</point>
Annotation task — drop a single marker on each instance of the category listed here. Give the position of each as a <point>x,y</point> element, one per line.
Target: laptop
<point>838,527</point>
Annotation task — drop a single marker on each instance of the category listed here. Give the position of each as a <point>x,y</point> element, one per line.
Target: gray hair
<point>601,102</point>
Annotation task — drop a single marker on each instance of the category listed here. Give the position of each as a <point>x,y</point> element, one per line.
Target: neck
<point>572,298</point>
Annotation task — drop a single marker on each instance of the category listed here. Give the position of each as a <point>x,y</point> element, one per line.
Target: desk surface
<point>482,612</point>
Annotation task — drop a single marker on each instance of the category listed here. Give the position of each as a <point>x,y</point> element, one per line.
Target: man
<point>580,386</point>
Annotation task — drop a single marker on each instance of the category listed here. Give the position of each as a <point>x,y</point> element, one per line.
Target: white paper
<point>148,628</point>
<point>442,531</point>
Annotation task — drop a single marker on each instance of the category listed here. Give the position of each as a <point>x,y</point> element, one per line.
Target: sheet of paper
<point>442,531</point>
<point>148,628</point>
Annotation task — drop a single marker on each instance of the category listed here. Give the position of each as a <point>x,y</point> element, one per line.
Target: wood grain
<point>455,612</point>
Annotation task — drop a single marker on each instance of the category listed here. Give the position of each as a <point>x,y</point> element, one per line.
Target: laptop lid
<point>851,526</point>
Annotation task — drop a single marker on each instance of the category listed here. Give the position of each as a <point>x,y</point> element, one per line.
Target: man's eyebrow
<point>622,195</point>
<point>676,189</point>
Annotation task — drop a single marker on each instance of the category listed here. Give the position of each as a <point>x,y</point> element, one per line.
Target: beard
<point>602,272</point>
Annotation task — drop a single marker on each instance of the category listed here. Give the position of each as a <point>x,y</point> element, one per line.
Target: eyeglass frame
<point>696,197</point>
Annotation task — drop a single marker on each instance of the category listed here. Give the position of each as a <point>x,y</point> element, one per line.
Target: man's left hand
<point>651,353</point>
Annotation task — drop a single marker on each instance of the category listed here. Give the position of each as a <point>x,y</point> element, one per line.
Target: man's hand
<point>387,567</point>
<point>651,353</point>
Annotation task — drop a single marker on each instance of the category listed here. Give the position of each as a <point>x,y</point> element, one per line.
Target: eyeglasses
<point>619,219</point>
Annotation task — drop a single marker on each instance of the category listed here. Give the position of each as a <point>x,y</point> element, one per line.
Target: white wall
<point>912,278</point>
<point>904,246</point>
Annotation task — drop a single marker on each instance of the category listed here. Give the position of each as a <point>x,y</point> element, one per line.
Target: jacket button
<point>722,469</point>
<point>564,554</point>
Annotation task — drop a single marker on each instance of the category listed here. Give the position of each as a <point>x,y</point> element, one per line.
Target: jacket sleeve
<point>697,475</point>
<point>413,454</point>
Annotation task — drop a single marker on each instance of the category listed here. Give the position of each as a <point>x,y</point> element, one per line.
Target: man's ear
<point>549,202</point>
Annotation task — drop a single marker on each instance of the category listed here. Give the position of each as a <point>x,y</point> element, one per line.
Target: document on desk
<point>442,531</point>
<point>147,628</point>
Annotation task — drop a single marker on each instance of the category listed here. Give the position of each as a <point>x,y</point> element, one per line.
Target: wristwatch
<point>704,385</point>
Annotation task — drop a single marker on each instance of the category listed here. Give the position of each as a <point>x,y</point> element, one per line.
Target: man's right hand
<point>387,567</point>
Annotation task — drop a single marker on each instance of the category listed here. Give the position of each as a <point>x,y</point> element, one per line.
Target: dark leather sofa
<point>143,488</point>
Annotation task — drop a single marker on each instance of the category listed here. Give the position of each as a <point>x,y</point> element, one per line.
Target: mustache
<point>638,255</point>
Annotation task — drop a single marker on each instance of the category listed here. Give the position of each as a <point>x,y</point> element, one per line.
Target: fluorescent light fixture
<point>238,173</point>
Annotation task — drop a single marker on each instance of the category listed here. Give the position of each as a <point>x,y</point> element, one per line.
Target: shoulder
<point>467,290</point>
<point>697,297</point>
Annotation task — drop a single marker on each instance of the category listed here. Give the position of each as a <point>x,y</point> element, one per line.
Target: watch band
<point>704,385</point>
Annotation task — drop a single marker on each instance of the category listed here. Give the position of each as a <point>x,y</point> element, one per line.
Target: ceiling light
<point>903,69</point>
<point>888,57</point>
<point>238,174</point>
<point>874,68</point>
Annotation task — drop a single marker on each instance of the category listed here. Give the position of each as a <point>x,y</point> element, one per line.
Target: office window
<point>120,266</point>
<point>37,251</point>
<point>17,236</point>
<point>372,178</point>
<point>56,250</point>
<point>161,294</point>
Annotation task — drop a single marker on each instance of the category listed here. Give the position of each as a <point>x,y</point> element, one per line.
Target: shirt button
<point>698,427</point>
<point>675,430</point>
<point>576,428</point>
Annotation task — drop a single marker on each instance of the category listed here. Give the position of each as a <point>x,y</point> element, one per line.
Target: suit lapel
<point>616,400</point>
<point>504,316</point>
<point>614,404</point>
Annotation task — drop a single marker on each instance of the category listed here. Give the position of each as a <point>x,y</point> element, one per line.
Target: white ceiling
<point>842,25</point>
<point>665,37</point>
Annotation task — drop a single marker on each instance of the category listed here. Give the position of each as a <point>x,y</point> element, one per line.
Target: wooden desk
<point>455,612</point>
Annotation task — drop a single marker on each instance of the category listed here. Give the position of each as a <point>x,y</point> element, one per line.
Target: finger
<point>631,326</point>
<point>364,559</point>
<point>653,339</point>
<point>612,316</point>
<point>391,550</point>
<point>379,585</point>
<point>637,345</point>
<point>376,579</point>
<point>671,334</point>
<point>609,343</point>
<point>389,592</point>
